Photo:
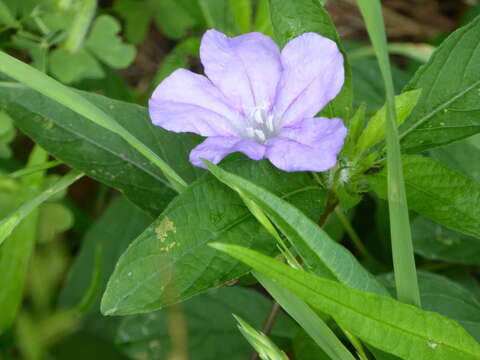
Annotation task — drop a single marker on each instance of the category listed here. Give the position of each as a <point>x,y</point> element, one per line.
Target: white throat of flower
<point>261,124</point>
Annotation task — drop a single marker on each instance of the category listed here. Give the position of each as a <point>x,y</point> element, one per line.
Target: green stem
<point>352,233</point>
<point>402,249</point>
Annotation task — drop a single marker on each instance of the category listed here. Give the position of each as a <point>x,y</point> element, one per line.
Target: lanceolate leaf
<point>321,255</point>
<point>437,192</point>
<point>391,326</point>
<point>171,261</point>
<point>448,108</point>
<point>291,18</point>
<point>99,153</point>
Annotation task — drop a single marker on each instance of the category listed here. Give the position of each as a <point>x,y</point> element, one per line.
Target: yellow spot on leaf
<point>163,228</point>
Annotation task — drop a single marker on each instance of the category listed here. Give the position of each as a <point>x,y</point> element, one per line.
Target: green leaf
<point>242,14</point>
<point>148,334</point>
<point>111,240</point>
<point>16,251</point>
<point>8,224</point>
<point>171,17</point>
<point>98,152</point>
<point>6,16</point>
<point>54,219</point>
<point>177,58</point>
<point>137,18</point>
<point>72,67</point>
<point>80,25</point>
<point>436,242</point>
<point>291,18</point>
<point>307,319</point>
<point>266,348</point>
<point>368,86</point>
<point>172,255</point>
<point>448,298</point>
<point>376,127</point>
<point>448,107</point>
<point>263,22</point>
<point>320,254</point>
<point>397,328</point>
<point>74,101</point>
<point>105,43</point>
<point>437,192</point>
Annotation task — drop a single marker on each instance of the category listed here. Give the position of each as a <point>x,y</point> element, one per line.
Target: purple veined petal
<point>215,148</point>
<point>245,68</point>
<point>188,102</point>
<point>308,145</point>
<point>313,75</point>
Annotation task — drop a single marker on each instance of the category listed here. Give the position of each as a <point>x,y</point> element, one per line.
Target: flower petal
<point>215,148</point>
<point>188,102</point>
<point>308,145</point>
<point>245,68</point>
<point>313,75</point>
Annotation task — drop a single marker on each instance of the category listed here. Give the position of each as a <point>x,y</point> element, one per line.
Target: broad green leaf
<point>320,254</point>
<point>171,17</point>
<point>437,192</point>
<point>448,107</point>
<point>217,15</point>
<point>307,319</point>
<point>448,298</point>
<point>242,14</point>
<point>291,18</point>
<point>458,156</point>
<point>58,92</point>
<point>436,242</point>
<point>375,130</point>
<point>71,67</point>
<point>171,260</point>
<point>137,18</point>
<point>105,43</point>
<point>209,337</point>
<point>368,86</point>
<point>110,239</point>
<point>305,348</point>
<point>263,21</point>
<point>98,152</point>
<point>266,348</point>
<point>8,224</point>
<point>391,326</point>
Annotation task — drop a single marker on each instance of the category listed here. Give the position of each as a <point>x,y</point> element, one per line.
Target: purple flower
<point>258,100</point>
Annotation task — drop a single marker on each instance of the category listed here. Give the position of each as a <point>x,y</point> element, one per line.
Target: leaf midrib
<point>340,304</point>
<point>214,235</point>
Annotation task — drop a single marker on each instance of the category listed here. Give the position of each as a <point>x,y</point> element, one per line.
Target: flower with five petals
<point>258,100</point>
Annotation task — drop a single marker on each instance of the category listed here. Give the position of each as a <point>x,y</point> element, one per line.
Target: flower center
<point>260,125</point>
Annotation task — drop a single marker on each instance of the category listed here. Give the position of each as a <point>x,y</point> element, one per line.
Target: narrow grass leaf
<point>8,224</point>
<point>402,248</point>
<point>74,101</point>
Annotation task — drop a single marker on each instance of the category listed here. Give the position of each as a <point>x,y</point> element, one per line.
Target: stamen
<point>258,116</point>
<point>260,134</point>
<point>250,132</point>
<point>270,122</point>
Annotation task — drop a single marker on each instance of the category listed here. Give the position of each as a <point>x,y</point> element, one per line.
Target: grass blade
<point>74,101</point>
<point>307,319</point>
<point>8,224</point>
<point>385,323</point>
<point>402,248</point>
